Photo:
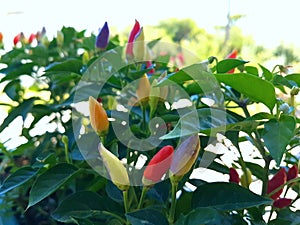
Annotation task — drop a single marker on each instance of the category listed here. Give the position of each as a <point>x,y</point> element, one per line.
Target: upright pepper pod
<point>17,39</point>
<point>185,156</point>
<point>129,48</point>
<point>31,38</point>
<point>246,178</point>
<point>102,38</point>
<point>115,168</point>
<point>143,89</point>
<point>234,176</point>
<point>139,46</point>
<point>158,165</point>
<point>60,38</point>
<point>98,117</point>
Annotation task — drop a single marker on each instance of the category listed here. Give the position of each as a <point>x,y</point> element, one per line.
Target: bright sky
<point>269,21</point>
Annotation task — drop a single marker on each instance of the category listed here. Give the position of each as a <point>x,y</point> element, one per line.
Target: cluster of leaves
<point>46,180</point>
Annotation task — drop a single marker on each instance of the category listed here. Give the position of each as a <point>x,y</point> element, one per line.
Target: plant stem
<point>271,213</point>
<point>144,192</point>
<point>259,145</point>
<point>65,141</point>
<point>174,201</point>
<point>293,103</point>
<point>67,154</point>
<point>144,124</point>
<point>125,198</point>
<point>102,139</point>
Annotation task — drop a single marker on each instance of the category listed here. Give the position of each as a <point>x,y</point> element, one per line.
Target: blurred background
<point>262,31</point>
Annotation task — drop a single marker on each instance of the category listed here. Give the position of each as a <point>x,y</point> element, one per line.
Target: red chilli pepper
<point>1,37</point>
<point>292,172</point>
<point>17,39</point>
<point>158,165</point>
<point>277,180</point>
<point>232,55</point>
<point>31,38</point>
<point>282,203</point>
<point>234,176</point>
<point>135,30</point>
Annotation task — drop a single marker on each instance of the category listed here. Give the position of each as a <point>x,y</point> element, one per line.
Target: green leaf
<point>151,44</point>
<point>147,217</point>
<point>200,216</point>
<point>287,215</point>
<point>12,89</point>
<point>15,70</point>
<point>20,110</point>
<point>260,90</point>
<point>50,181</point>
<point>226,196</point>
<point>80,205</point>
<point>18,178</point>
<point>280,80</point>
<point>294,77</point>
<point>70,65</point>
<point>278,134</point>
<point>266,73</point>
<point>208,118</point>
<point>252,70</point>
<point>228,64</point>
<point>183,75</point>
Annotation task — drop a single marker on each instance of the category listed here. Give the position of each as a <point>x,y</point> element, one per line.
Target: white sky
<point>269,21</point>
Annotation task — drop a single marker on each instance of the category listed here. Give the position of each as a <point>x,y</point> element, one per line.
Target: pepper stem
<point>174,184</point>
<point>144,192</point>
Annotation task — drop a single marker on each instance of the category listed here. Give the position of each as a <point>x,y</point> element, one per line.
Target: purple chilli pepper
<point>103,37</point>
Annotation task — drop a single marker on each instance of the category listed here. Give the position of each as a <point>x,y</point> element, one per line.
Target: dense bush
<point>59,174</point>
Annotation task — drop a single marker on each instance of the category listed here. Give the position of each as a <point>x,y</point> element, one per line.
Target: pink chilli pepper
<point>158,165</point>
<point>135,30</point>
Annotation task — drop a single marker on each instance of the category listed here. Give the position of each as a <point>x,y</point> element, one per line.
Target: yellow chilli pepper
<point>98,117</point>
<point>115,168</point>
<point>60,38</point>
<point>139,46</point>
<point>246,178</point>
<point>143,89</point>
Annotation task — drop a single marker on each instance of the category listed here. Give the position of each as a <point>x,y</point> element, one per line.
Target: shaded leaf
<point>18,178</point>
<point>70,65</point>
<point>50,181</point>
<point>79,205</point>
<point>278,134</point>
<point>21,110</point>
<point>200,216</point>
<point>147,217</point>
<point>226,196</point>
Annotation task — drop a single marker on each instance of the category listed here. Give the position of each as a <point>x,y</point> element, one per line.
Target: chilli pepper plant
<point>98,131</point>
